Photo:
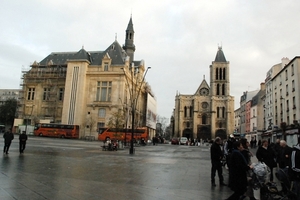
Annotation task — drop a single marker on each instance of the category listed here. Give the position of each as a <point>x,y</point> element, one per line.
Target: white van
<point>183,140</point>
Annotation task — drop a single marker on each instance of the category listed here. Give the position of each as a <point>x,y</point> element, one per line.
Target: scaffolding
<point>41,86</point>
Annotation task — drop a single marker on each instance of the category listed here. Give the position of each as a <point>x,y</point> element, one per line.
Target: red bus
<point>57,130</point>
<point>114,134</point>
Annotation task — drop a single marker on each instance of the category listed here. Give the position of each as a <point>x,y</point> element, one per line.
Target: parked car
<point>183,140</point>
<point>175,141</point>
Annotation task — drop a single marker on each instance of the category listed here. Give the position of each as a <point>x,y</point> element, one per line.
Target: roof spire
<point>220,55</point>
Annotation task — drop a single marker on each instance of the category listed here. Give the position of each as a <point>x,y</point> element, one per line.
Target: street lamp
<point>134,93</point>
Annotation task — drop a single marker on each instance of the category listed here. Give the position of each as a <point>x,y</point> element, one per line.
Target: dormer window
<point>105,66</point>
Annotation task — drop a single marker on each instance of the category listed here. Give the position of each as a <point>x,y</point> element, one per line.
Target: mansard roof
<point>115,52</point>
<point>220,56</point>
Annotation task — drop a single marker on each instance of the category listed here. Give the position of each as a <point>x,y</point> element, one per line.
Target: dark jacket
<point>23,138</point>
<point>216,154</point>
<point>238,171</point>
<point>267,156</point>
<point>284,156</point>
<point>8,137</point>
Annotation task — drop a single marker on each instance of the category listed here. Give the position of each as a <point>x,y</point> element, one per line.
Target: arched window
<point>218,89</point>
<point>130,35</point>
<point>223,89</point>
<point>204,117</point>
<point>224,74</point>
<point>218,109</point>
<point>191,111</point>
<point>185,110</point>
<point>220,74</point>
<point>223,112</point>
<point>217,73</point>
<point>188,124</point>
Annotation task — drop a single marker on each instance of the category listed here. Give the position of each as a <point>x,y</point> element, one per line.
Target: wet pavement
<point>79,170</point>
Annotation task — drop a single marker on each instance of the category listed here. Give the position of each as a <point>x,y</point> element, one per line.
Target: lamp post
<point>28,119</point>
<point>134,93</point>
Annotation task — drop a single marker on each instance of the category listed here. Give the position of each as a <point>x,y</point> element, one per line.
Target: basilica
<point>209,112</point>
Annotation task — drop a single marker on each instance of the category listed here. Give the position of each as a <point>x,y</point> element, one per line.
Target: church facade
<point>209,112</point>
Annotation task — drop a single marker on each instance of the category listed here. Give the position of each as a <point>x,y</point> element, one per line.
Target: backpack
<point>295,162</point>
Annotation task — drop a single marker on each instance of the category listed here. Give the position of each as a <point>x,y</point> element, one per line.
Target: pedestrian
<point>22,141</point>
<point>216,155</point>
<point>255,142</point>
<point>247,154</point>
<point>259,143</point>
<point>266,154</point>
<point>228,148</point>
<point>277,148</point>
<point>8,137</point>
<point>238,172</point>
<point>294,169</point>
<point>284,157</point>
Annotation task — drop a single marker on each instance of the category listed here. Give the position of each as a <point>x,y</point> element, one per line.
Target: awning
<point>291,132</point>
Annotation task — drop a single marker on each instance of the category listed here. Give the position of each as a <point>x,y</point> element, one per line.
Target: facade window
<point>103,91</point>
<point>100,125</point>
<point>293,85</point>
<point>30,93</point>
<point>102,112</point>
<point>185,111</point>
<point>218,89</point>
<point>224,73</point>
<point>280,93</point>
<point>223,112</point>
<point>204,117</point>
<point>105,66</point>
<point>218,108</point>
<point>286,75</point>
<point>46,94</point>
<point>217,73</point>
<point>61,94</point>
<point>294,103</point>
<point>292,68</point>
<point>191,111</point>
<point>223,89</point>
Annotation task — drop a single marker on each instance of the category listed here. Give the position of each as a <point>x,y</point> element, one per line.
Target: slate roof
<point>115,52</point>
<point>220,56</point>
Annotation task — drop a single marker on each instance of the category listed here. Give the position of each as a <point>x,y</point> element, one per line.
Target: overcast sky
<point>178,39</point>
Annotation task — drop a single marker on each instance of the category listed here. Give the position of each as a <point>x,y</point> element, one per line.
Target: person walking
<point>247,154</point>
<point>8,137</point>
<point>294,169</point>
<point>22,141</point>
<point>238,172</point>
<point>266,154</point>
<point>216,155</point>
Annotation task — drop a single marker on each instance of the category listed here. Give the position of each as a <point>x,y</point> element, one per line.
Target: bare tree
<point>89,123</point>
<point>163,121</point>
<point>116,121</point>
